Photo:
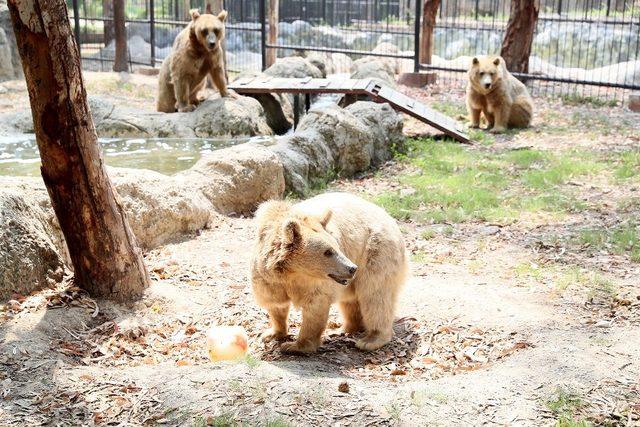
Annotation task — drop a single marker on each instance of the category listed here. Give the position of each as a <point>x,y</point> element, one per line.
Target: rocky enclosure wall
<point>329,142</point>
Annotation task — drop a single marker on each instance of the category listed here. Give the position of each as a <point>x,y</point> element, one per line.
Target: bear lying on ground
<point>503,99</point>
<point>196,53</point>
<point>332,248</point>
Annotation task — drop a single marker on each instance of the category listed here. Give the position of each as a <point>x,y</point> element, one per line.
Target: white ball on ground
<point>227,343</point>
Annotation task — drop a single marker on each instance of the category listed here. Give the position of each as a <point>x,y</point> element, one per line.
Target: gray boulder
<point>293,67</point>
<point>30,258</point>
<point>160,208</point>
<point>332,141</point>
<point>380,71</point>
<point>237,179</point>
<point>240,116</point>
<point>10,64</point>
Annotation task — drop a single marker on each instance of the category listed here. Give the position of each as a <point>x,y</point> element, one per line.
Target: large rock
<point>30,257</point>
<point>216,117</point>
<point>161,208</point>
<point>10,65</point>
<point>293,67</point>
<point>332,142</point>
<point>237,179</point>
<point>374,68</point>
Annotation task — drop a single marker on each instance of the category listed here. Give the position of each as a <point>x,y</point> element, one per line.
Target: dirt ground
<point>484,335</point>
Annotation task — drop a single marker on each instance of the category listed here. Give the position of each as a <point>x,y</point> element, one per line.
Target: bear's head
<point>486,72</point>
<point>298,245</point>
<point>207,30</point>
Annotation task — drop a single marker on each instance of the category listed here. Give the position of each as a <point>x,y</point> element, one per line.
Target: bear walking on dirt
<point>493,91</point>
<point>196,53</point>
<point>333,248</point>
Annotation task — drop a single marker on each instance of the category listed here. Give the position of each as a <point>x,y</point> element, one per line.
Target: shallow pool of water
<point>19,153</point>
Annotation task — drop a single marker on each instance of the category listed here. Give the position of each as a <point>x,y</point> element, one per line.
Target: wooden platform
<point>379,93</point>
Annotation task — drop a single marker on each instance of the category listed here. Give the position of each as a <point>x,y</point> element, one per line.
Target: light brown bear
<point>196,53</point>
<point>333,248</point>
<point>503,99</point>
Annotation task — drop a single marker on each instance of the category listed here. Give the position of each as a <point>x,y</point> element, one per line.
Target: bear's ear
<point>222,16</point>
<point>475,61</point>
<point>325,217</point>
<point>496,61</point>
<point>195,14</point>
<point>291,232</point>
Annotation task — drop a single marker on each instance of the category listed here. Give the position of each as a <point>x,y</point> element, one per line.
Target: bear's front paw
<point>271,335</point>
<point>297,347</point>
<point>473,125</point>
<point>497,129</point>
<point>187,109</point>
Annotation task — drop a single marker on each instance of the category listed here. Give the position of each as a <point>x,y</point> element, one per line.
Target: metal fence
<point>590,47</point>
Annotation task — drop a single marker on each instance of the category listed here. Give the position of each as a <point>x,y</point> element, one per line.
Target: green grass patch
<point>576,99</point>
<point>627,165</point>
<point>456,184</point>
<point>622,239</point>
<point>451,109</point>
<point>565,405</point>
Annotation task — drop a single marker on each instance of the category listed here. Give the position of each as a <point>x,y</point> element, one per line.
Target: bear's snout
<point>353,269</point>
<point>487,85</point>
<point>212,40</point>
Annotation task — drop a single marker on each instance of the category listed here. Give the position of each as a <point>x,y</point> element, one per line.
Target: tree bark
<point>429,14</point>
<point>516,46</point>
<point>106,259</point>
<point>107,14</point>
<point>120,61</point>
<point>272,37</point>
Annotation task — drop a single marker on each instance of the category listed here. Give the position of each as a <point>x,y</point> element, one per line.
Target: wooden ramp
<point>379,93</point>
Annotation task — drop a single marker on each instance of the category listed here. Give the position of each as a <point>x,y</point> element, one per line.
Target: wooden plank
<point>379,93</point>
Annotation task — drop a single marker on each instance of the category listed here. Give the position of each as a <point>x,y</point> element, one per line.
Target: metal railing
<point>586,46</point>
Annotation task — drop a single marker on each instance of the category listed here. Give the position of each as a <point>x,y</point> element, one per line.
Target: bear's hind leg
<point>352,317</point>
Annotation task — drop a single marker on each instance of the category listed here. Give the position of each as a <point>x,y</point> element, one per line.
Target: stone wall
<point>329,142</point>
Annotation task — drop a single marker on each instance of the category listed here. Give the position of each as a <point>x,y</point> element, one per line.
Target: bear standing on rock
<point>333,248</point>
<point>493,91</point>
<point>196,53</point>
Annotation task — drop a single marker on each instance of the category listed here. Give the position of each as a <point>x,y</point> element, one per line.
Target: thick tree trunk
<point>516,46</point>
<point>107,14</point>
<point>120,61</point>
<point>429,13</point>
<point>104,253</point>
<point>272,37</point>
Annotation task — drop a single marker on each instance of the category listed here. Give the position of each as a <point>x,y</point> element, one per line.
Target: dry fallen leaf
<point>343,387</point>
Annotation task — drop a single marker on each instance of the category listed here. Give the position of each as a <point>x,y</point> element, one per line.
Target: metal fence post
<point>416,29</point>
<point>152,32</point>
<point>263,33</point>
<point>76,23</point>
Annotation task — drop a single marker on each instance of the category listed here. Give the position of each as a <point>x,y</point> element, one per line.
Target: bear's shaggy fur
<point>333,248</point>
<point>503,99</point>
<point>196,53</point>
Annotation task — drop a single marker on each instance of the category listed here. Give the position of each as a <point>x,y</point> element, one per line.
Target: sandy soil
<point>475,342</point>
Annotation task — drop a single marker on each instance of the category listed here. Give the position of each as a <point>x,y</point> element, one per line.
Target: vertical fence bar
<point>416,38</point>
<point>152,32</point>
<point>263,33</point>
<point>76,24</point>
